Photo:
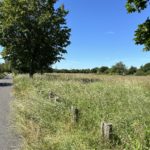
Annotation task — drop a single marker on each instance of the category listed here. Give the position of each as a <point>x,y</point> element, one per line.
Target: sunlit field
<point>44,120</point>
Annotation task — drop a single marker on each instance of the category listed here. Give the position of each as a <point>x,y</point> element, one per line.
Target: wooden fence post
<point>53,97</point>
<point>106,130</point>
<point>74,115</point>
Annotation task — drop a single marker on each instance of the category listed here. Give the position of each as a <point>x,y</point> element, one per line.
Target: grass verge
<point>2,75</point>
<point>46,125</point>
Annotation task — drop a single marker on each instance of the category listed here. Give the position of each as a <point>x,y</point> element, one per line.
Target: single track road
<point>8,140</point>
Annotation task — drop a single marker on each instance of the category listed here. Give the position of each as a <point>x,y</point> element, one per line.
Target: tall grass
<point>2,75</point>
<point>46,125</point>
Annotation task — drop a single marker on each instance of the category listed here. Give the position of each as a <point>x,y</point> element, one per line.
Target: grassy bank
<point>2,75</point>
<point>46,125</point>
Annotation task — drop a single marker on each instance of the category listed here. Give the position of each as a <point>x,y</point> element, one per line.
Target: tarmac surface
<point>8,140</point>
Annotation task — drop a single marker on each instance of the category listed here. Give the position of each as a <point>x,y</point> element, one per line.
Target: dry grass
<point>2,75</point>
<point>46,125</point>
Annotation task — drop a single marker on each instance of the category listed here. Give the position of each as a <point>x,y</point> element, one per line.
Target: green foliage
<point>142,34</point>
<point>103,70</point>
<point>146,67</point>
<point>46,125</point>
<point>132,70</point>
<point>136,5</point>
<point>119,68</point>
<point>2,75</point>
<point>140,72</point>
<point>5,67</point>
<point>33,33</point>
<point>94,70</point>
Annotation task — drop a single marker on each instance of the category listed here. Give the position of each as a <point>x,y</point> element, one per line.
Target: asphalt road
<point>8,140</point>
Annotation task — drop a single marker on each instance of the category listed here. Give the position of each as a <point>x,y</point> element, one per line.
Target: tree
<point>140,72</point>
<point>119,68</point>
<point>5,67</point>
<point>33,33</point>
<point>94,70</point>
<point>104,69</point>
<point>132,70</point>
<point>146,67</point>
<point>142,34</point>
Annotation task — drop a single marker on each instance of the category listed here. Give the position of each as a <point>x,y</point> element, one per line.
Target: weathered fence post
<point>106,130</point>
<point>74,115</point>
<point>53,97</point>
<point>50,94</point>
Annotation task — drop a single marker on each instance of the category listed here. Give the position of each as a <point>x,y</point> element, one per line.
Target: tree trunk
<point>41,71</point>
<point>31,72</point>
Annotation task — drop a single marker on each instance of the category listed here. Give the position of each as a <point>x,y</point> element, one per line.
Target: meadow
<point>44,123</point>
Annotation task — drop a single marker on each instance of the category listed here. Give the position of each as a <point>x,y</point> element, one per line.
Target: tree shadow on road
<point>5,84</point>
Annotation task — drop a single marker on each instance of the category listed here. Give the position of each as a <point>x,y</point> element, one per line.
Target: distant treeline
<point>118,69</point>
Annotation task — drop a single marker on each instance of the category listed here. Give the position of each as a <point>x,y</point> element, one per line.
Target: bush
<point>2,75</point>
<point>119,68</point>
<point>140,73</point>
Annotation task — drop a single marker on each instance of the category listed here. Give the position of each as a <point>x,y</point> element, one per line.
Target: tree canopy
<point>146,67</point>
<point>33,33</point>
<point>131,70</point>
<point>142,34</point>
<point>5,67</point>
<point>119,68</point>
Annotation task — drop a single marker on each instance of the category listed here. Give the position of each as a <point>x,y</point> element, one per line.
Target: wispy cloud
<point>68,64</point>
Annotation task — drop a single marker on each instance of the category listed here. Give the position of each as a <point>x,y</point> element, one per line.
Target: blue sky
<point>102,34</point>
